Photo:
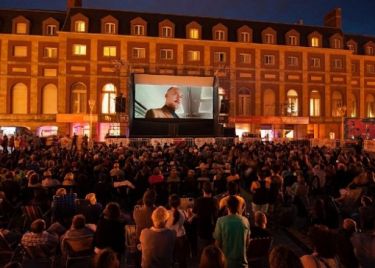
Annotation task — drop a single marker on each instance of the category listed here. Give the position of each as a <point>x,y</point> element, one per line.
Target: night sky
<point>358,15</point>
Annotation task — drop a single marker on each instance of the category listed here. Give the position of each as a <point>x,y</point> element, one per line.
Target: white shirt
<point>178,227</point>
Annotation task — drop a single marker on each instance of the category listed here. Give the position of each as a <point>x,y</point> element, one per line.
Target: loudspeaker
<point>224,107</point>
<point>229,132</point>
<point>120,105</point>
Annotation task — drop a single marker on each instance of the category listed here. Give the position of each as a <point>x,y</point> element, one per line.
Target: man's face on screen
<point>173,98</point>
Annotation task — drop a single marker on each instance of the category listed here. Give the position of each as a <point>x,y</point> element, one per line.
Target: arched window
<point>79,98</point>
<point>336,103</point>
<point>292,97</point>
<point>353,108</point>
<point>244,102</point>
<point>19,99</point>
<point>314,103</point>
<point>108,99</point>
<point>269,106</point>
<point>370,105</point>
<point>49,99</point>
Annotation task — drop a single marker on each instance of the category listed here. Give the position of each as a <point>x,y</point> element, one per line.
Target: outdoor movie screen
<point>173,97</point>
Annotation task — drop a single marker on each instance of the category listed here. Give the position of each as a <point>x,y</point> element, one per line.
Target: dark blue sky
<point>358,15</point>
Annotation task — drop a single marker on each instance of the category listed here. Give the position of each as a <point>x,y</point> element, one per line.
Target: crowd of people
<point>210,204</point>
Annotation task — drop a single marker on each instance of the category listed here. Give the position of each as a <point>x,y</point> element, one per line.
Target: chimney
<point>73,3</point>
<point>333,18</point>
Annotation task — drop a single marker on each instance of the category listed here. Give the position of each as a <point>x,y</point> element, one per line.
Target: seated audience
<point>79,229</point>
<point>38,236</point>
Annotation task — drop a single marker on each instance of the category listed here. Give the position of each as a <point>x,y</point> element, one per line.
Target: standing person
<point>158,242</point>
<point>4,144</point>
<point>176,222</point>
<point>283,257</point>
<point>212,257</point>
<point>206,210</point>
<point>232,235</point>
<point>142,214</point>
<point>110,231</point>
<point>173,99</point>
<point>325,253</point>
<point>260,189</point>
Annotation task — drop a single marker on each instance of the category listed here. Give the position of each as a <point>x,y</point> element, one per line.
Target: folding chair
<point>79,250</point>
<point>32,213</point>
<point>6,251</point>
<point>37,257</point>
<point>131,245</point>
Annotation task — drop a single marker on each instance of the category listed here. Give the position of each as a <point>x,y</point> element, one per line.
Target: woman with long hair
<point>176,222</point>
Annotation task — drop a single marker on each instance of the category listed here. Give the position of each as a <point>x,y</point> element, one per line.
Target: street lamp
<point>91,105</point>
<point>341,110</point>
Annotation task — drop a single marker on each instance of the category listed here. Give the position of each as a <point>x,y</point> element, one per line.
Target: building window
<point>166,31</point>
<point>315,42</point>
<point>79,50</point>
<point>269,38</point>
<point>244,107</point>
<point>20,51</point>
<point>21,28</point>
<point>315,62</point>
<point>351,47</point>
<point>337,43</point>
<point>109,99</point>
<point>353,112</point>
<point>245,37</point>
<point>336,103</point>
<point>79,98</point>
<point>139,53</point>
<point>292,98</point>
<point>50,52</point>
<point>370,105</point>
<point>80,26</point>
<point>370,68</point>
<point>19,99</point>
<point>314,103</point>
<point>139,29</point>
<point>292,40</point>
<point>49,99</point>
<point>269,102</point>
<point>51,29</point>
<point>220,35</point>
<point>110,28</point>
<point>193,55</point>
<point>219,57</point>
<point>245,58</point>
<point>370,50</point>
<point>166,54</point>
<point>109,51</point>
<point>354,68</point>
<point>292,61</point>
<point>194,33</point>
<point>269,59</point>
<point>337,64</point>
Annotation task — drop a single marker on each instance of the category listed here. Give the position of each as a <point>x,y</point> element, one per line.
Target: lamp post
<point>91,105</point>
<point>342,112</point>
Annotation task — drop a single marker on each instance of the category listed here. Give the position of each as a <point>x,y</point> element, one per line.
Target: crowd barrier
<point>369,145</point>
